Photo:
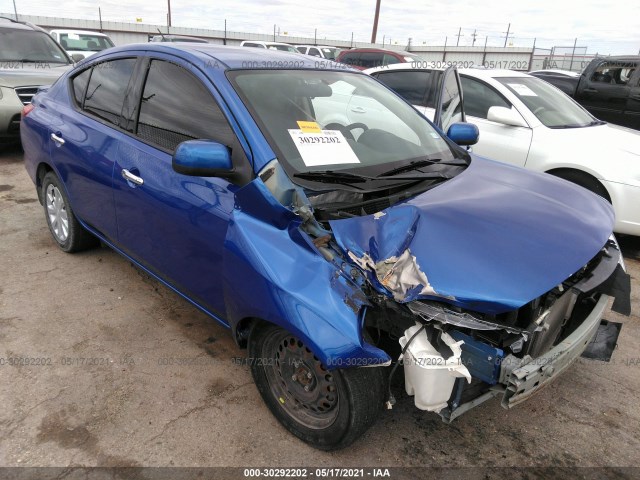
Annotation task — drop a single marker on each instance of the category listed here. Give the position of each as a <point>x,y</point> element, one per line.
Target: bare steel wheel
<point>302,385</point>
<point>328,409</point>
<point>63,224</point>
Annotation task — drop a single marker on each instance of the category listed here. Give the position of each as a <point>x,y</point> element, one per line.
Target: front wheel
<point>326,409</point>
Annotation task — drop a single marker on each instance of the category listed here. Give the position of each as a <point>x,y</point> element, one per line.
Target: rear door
<point>84,137</point>
<point>174,224</point>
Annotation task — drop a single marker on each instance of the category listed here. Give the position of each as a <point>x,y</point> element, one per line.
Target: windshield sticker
<point>329,147</point>
<point>522,90</point>
<point>309,127</point>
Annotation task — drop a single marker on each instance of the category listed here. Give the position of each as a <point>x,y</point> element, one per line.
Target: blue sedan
<point>329,225</point>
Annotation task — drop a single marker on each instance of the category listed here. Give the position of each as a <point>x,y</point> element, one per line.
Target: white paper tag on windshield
<point>326,148</point>
<point>522,90</point>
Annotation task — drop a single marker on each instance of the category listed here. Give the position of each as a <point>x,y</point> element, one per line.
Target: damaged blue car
<point>335,231</point>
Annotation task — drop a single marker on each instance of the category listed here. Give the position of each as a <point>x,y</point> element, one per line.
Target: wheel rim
<point>57,212</point>
<point>300,383</point>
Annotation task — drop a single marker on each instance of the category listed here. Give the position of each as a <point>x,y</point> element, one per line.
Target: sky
<point>603,28</point>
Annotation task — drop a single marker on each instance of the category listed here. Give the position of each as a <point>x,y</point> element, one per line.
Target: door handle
<point>127,175</point>
<point>57,139</point>
<point>358,110</point>
<point>590,90</point>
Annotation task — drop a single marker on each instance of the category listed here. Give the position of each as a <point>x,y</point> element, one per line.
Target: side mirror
<point>463,133</point>
<point>506,116</point>
<point>77,57</point>
<point>203,158</point>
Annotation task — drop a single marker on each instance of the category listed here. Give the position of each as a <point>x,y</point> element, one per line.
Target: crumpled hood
<point>491,240</point>
<point>31,74</point>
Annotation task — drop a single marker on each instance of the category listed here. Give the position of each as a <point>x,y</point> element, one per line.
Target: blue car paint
<point>258,263</point>
<point>491,239</point>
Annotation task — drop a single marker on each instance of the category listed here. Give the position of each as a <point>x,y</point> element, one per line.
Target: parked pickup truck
<point>609,87</point>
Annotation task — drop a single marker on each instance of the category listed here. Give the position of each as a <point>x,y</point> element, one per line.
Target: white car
<point>322,51</point>
<point>284,47</point>
<point>527,122</point>
<point>81,43</point>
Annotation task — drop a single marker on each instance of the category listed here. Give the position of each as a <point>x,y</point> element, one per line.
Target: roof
<point>230,57</point>
<point>383,50</point>
<point>425,65</point>
<point>79,32</point>
<point>7,22</point>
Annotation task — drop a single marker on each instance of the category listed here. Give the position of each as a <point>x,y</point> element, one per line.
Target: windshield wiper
<point>347,178</point>
<point>416,165</point>
<point>330,176</point>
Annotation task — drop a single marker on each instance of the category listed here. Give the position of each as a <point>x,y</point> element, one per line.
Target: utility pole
<point>315,37</point>
<point>274,32</point>
<point>168,13</point>
<point>474,35</point>
<point>575,42</point>
<point>459,35</point>
<point>506,37</point>
<point>15,10</point>
<point>225,32</point>
<point>99,15</point>
<point>375,22</point>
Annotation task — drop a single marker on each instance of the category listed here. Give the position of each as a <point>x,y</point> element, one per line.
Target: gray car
<point>29,59</point>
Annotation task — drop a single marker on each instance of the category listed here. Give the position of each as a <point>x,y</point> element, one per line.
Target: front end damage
<point>488,309</point>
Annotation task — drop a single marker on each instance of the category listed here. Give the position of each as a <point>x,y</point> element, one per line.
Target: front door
<point>174,224</point>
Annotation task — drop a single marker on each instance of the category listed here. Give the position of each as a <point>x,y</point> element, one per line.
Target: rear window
<point>107,87</point>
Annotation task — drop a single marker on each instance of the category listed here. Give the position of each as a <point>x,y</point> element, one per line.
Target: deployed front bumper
<point>523,379</point>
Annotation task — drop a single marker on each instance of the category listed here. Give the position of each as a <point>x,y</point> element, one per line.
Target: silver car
<point>29,59</point>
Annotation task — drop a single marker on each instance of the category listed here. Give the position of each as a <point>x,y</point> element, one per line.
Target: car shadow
<point>630,246</point>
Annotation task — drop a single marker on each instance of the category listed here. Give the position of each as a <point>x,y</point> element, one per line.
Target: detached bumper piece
<point>604,341</point>
<point>524,377</point>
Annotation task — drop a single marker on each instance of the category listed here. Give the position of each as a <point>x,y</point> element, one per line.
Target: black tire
<point>65,228</point>
<point>584,180</point>
<point>350,401</point>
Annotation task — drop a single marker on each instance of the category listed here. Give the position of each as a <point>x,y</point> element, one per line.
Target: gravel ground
<point>136,376</point>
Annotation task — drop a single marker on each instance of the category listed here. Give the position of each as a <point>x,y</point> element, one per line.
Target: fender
<point>271,272</point>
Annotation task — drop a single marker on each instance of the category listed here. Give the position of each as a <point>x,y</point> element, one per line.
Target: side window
<point>479,97</point>
<point>175,107</point>
<point>451,102</point>
<point>80,86</point>
<point>108,84</point>
<point>389,59</point>
<point>302,49</point>
<point>614,72</point>
<point>314,52</point>
<point>412,86</point>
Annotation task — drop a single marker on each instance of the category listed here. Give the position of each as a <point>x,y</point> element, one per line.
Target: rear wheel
<point>63,224</point>
<point>327,409</point>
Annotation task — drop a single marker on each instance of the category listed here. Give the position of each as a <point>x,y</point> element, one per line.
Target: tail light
<point>26,110</point>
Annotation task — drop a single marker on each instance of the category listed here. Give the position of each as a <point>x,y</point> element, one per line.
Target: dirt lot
<point>136,376</point>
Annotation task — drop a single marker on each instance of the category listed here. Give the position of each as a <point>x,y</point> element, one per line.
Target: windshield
<point>552,107</point>
<point>339,121</point>
<point>330,53</point>
<point>29,46</point>
<point>85,42</point>
<point>283,48</point>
